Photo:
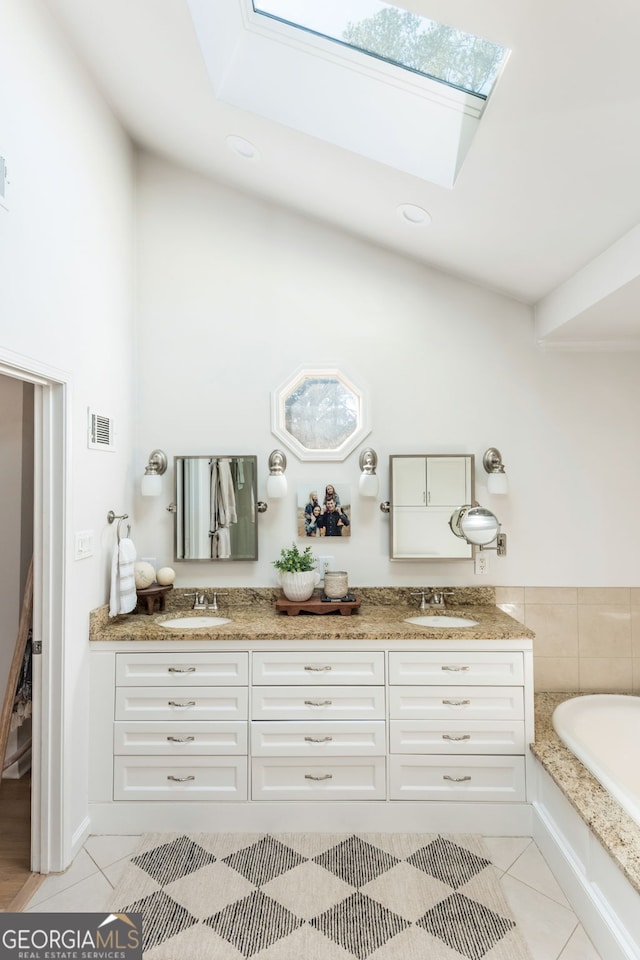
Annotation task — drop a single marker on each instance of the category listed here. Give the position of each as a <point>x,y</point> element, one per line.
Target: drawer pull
<point>180,779</point>
<point>319,669</point>
<point>456,703</point>
<point>181,739</point>
<point>318,739</point>
<point>186,703</point>
<point>181,669</point>
<point>455,779</point>
<point>465,736</point>
<point>318,703</point>
<point>456,669</point>
<point>325,776</point>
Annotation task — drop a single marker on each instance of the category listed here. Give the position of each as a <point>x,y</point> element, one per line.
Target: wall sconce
<point>276,481</point>
<point>497,481</point>
<point>157,465</point>
<point>368,484</point>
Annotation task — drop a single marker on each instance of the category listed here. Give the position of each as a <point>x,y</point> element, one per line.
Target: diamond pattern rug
<point>319,896</point>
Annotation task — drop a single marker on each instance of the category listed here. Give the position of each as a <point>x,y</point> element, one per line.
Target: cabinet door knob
<point>324,776</point>
<point>465,736</point>
<point>176,703</point>
<point>318,739</point>
<point>181,739</point>
<point>319,669</point>
<point>455,779</point>
<point>180,779</point>
<point>182,669</point>
<point>455,669</point>
<point>456,703</point>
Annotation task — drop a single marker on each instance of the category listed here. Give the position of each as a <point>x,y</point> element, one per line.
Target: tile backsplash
<point>587,638</point>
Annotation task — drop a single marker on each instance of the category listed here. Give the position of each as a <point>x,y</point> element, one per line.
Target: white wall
<point>235,295</point>
<point>66,298</point>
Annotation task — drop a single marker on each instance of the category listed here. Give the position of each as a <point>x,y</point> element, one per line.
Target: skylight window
<point>390,33</point>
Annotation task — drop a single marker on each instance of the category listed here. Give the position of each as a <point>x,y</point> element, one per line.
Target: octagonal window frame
<point>303,451</point>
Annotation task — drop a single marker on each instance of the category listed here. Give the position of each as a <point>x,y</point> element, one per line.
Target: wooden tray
<point>315,605</point>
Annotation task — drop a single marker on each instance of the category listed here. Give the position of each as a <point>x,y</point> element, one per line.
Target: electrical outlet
<point>325,563</point>
<point>481,565</point>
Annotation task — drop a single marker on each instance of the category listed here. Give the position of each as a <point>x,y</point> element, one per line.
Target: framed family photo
<point>324,510</point>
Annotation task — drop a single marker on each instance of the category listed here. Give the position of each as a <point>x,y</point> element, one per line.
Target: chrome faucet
<point>437,597</point>
<point>200,601</point>
<point>421,594</point>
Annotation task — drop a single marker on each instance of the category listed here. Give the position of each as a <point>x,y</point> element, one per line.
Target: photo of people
<point>324,510</point>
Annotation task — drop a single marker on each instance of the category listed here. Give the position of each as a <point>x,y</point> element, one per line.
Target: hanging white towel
<point>123,585</point>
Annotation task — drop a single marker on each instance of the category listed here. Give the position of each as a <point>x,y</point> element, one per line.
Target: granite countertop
<point>610,824</point>
<point>253,616</point>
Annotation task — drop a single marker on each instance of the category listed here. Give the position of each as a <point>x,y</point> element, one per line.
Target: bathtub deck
<point>610,824</point>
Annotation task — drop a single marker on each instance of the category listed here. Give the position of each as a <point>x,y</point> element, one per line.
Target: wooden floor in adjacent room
<point>17,883</point>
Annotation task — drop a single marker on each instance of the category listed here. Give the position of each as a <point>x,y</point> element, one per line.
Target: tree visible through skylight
<point>397,36</point>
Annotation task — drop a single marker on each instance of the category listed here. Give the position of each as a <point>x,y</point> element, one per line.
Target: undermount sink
<point>441,620</point>
<point>193,623</point>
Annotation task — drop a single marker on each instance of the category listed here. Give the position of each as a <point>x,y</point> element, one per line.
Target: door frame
<point>51,847</point>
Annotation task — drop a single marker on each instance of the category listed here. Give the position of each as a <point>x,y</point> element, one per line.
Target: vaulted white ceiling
<point>545,207</point>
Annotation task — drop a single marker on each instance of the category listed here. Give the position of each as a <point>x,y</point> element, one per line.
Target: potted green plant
<point>298,572</point>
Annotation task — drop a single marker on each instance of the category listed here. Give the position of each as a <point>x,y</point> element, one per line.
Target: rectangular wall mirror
<point>425,490</point>
<point>216,514</point>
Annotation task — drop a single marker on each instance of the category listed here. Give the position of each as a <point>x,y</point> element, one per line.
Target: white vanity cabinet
<point>457,725</point>
<point>180,726</point>
<point>286,735</point>
<point>318,726</point>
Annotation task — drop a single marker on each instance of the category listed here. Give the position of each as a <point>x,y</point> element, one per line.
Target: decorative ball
<point>165,576</point>
<point>144,574</point>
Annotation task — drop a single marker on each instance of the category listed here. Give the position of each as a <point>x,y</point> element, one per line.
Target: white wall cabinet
<point>371,728</point>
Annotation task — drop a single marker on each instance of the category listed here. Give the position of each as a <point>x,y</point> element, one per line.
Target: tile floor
<point>550,927</point>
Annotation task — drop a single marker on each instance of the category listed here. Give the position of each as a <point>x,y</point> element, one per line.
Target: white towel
<point>123,585</point>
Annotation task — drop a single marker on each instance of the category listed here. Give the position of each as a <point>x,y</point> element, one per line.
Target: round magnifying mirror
<point>476,525</point>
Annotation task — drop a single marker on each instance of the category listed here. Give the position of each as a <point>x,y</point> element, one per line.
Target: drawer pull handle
<point>181,739</point>
<point>319,669</point>
<point>318,703</point>
<point>455,779</point>
<point>180,779</point>
<point>456,703</point>
<point>325,776</point>
<point>186,703</point>
<point>456,669</point>
<point>182,669</point>
<point>465,736</point>
<point>318,739</point>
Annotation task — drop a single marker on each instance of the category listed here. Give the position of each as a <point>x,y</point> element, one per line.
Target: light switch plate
<point>83,544</point>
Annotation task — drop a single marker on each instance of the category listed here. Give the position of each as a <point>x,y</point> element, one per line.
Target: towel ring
<point>120,517</point>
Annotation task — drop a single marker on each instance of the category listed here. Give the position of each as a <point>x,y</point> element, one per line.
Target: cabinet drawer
<point>454,703</point>
<point>166,703</point>
<point>457,736</point>
<point>181,669</point>
<point>341,778</point>
<point>318,738</point>
<point>180,778</point>
<point>334,703</point>
<point>180,738</point>
<point>457,778</point>
<point>439,667</point>
<point>318,668</point>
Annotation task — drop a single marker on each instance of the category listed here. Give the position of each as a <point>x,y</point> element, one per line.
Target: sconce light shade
<point>150,485</point>
<point>497,482</point>
<point>276,481</point>
<point>368,485</point>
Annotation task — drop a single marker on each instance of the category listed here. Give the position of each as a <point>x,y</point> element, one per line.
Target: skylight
<point>397,36</point>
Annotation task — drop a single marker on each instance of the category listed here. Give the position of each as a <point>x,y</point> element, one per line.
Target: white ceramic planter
<point>299,586</point>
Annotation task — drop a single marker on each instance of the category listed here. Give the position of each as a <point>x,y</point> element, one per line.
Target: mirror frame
<point>281,401</point>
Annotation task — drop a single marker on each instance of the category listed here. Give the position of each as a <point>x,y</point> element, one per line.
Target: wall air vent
<point>101,435</point>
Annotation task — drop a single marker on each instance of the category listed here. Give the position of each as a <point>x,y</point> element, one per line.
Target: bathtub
<point>603,731</point>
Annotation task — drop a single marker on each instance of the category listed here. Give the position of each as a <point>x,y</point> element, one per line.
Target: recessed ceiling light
<point>244,148</point>
<point>413,214</point>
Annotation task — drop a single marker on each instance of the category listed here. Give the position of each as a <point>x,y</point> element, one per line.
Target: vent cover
<point>100,432</point>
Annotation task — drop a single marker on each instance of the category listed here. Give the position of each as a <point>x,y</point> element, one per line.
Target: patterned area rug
<point>318,896</point>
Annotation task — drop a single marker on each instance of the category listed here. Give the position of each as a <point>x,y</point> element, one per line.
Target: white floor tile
<point>532,869</point>
<point>504,851</point>
<point>545,924</point>
<point>81,868</point>
<point>579,947</point>
<point>107,850</point>
<point>114,871</point>
<point>87,896</point>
